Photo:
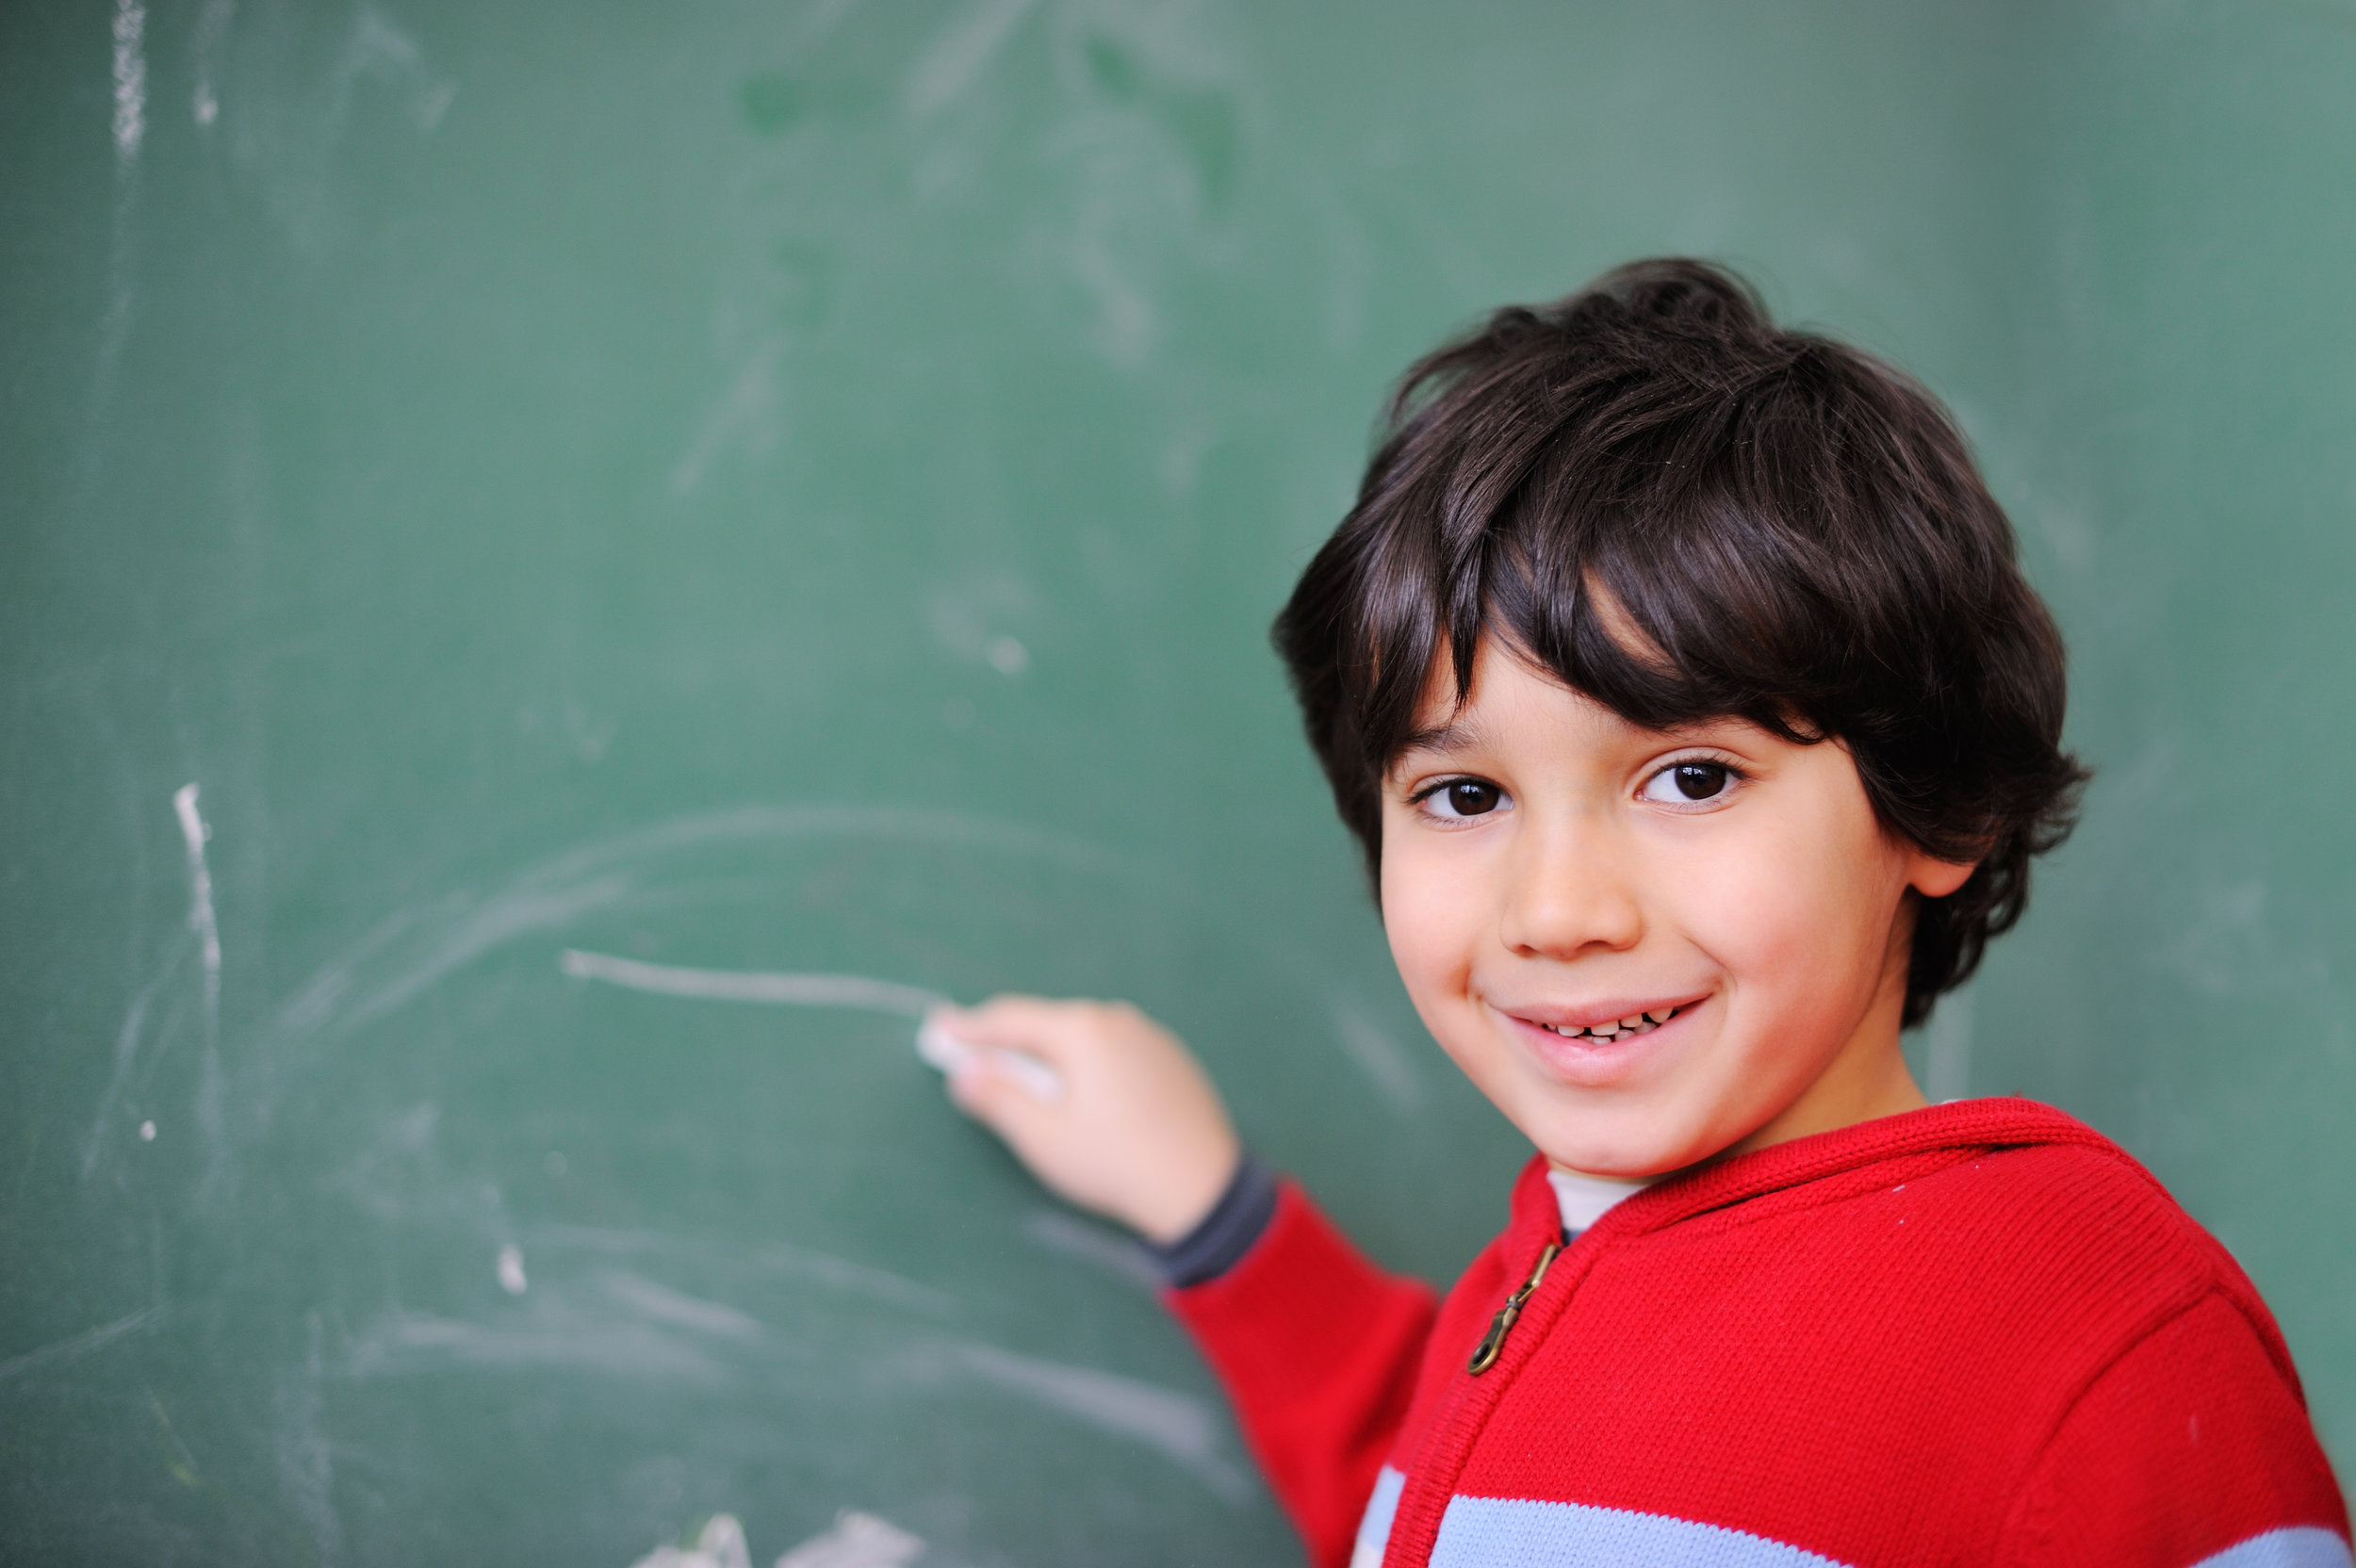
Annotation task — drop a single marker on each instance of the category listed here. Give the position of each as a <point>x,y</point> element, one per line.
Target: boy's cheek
<point>1433,953</point>
<point>1790,909</point>
<point>1424,921</point>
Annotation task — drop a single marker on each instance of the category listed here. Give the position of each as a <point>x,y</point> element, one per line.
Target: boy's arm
<point>1316,1347</point>
<point>1318,1350</point>
<point>2193,1447</point>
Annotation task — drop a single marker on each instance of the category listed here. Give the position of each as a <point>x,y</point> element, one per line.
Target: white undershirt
<point>1582,1197</point>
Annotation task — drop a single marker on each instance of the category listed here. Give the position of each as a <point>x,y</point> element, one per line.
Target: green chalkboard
<point>564,564</point>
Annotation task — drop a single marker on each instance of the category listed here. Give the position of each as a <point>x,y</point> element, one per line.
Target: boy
<point>1675,675</point>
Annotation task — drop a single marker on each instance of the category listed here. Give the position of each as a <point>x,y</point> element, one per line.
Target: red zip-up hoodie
<point>1978,1334</point>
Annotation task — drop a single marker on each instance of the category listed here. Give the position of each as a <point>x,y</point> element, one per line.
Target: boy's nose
<point>1568,889</point>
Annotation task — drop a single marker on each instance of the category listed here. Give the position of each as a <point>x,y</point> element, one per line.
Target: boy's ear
<point>1936,878</point>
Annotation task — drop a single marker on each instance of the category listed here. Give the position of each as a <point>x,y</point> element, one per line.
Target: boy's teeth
<point>1635,1023</point>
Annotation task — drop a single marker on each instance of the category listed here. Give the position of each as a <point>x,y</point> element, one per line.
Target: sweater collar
<point>1717,1183</point>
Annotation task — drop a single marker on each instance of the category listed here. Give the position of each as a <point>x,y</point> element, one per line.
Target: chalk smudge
<point>719,1544</point>
<point>407,1342</point>
<point>665,1306</point>
<point>958,57</point>
<point>130,119</point>
<point>307,1455</point>
<point>1178,1425</point>
<point>80,1344</point>
<point>384,52</point>
<point>201,918</point>
<point>749,408</point>
<point>126,1060</point>
<point>762,986</point>
<point>605,1313</point>
<point>1007,656</point>
<point>857,1541</point>
<point>969,619</point>
<point>204,102</point>
<point>837,1276</point>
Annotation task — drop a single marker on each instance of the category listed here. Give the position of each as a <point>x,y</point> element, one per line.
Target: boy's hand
<point>1139,1133</point>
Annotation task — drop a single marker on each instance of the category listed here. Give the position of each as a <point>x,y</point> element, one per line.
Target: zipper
<point>1491,1343</point>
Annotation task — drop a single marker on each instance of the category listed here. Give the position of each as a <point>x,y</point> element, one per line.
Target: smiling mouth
<point>1620,1029</point>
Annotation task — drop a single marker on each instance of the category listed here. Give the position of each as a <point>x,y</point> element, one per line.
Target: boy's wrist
<point>1220,1239</point>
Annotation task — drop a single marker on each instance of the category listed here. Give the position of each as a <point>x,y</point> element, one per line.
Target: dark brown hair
<point>1794,527</point>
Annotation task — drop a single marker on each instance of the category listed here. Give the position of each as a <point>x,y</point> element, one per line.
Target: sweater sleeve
<point>2193,1447</point>
<point>1318,1349</point>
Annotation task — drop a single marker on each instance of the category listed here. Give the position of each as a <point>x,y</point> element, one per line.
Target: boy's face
<point>1549,867</point>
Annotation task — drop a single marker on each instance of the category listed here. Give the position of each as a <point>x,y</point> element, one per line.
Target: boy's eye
<point>1465,797</point>
<point>1683,783</point>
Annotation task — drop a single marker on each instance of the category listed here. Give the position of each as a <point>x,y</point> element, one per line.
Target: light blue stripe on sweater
<point>2303,1547</point>
<point>1497,1532</point>
<point>1374,1526</point>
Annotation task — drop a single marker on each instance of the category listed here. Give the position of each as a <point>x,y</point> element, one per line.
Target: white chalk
<point>724,985</point>
<point>194,831</point>
<point>945,1052</point>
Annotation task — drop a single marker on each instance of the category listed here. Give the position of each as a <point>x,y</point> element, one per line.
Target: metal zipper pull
<point>1492,1345</point>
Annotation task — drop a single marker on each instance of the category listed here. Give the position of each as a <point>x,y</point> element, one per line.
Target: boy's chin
<point>1628,1138</point>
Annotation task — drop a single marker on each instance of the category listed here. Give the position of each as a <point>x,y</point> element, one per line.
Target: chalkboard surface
<point>566,564</point>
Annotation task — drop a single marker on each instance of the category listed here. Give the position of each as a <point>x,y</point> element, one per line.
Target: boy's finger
<point>1025,1023</point>
<point>944,1049</point>
<point>983,1089</point>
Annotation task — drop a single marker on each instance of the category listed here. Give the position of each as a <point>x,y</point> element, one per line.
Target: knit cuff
<point>1220,1239</point>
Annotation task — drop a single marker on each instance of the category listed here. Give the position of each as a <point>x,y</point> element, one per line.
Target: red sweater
<point>1975,1334</point>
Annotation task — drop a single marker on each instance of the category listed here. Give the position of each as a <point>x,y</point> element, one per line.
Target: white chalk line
<point>762,986</point>
<point>201,918</point>
<point>796,1263</point>
<point>748,408</point>
<point>80,1344</point>
<point>959,55</point>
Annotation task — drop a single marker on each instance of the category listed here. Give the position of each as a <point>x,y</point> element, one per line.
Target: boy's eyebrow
<point>1458,734</point>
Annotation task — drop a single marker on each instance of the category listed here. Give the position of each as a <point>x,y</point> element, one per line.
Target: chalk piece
<point>720,1544</point>
<point>945,1053</point>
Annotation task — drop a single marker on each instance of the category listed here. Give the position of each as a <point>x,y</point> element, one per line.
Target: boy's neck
<point>1866,1081</point>
<point>1867,1077</point>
